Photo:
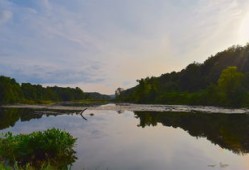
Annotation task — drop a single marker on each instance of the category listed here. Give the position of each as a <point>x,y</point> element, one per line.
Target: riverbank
<point>136,107</point>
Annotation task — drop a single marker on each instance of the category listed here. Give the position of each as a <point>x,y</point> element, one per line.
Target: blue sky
<point>99,45</point>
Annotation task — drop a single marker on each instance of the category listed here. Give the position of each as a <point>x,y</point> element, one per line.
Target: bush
<point>51,147</point>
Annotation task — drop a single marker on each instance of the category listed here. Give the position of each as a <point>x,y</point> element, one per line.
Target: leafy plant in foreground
<point>51,147</point>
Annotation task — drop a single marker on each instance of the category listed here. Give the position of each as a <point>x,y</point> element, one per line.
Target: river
<point>143,139</point>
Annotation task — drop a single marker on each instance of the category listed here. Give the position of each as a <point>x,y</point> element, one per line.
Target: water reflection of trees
<point>229,131</point>
<point>8,117</point>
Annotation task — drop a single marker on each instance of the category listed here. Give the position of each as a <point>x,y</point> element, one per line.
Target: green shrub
<point>51,147</point>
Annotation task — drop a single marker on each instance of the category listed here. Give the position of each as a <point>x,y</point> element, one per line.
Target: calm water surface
<point>144,140</point>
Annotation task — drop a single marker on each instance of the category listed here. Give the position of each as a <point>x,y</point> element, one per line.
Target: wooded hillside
<point>13,92</point>
<point>221,80</point>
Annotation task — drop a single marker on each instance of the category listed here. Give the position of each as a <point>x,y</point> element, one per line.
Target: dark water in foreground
<point>144,140</point>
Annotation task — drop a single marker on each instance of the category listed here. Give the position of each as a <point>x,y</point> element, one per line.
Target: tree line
<point>13,92</point>
<point>222,80</point>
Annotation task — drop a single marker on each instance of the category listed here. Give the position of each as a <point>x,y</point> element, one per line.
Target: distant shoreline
<point>136,107</point>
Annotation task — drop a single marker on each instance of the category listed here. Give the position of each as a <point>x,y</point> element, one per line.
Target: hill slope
<point>198,83</point>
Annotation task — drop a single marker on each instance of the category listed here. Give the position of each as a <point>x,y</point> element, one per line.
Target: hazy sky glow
<point>99,45</point>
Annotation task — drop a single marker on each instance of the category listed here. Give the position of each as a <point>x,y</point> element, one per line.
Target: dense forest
<point>222,80</point>
<point>13,92</point>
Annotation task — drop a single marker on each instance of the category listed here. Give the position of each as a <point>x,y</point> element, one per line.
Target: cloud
<point>48,49</point>
<point>209,27</point>
<point>5,16</point>
<point>43,74</point>
<point>112,42</point>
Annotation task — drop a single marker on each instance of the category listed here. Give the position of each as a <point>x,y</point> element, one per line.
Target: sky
<point>100,45</point>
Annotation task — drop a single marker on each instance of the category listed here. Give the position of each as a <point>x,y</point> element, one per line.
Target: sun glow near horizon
<point>244,29</point>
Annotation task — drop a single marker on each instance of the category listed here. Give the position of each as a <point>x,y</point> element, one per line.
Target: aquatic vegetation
<point>52,147</point>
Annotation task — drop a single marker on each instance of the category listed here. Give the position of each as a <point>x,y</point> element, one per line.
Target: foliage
<point>230,86</point>
<point>10,90</point>
<point>51,147</point>
<point>97,96</point>
<point>39,93</point>
<point>28,167</point>
<point>13,92</point>
<point>85,103</point>
<point>222,80</point>
<point>230,79</point>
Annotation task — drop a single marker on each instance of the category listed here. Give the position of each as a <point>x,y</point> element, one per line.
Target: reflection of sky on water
<point>111,140</point>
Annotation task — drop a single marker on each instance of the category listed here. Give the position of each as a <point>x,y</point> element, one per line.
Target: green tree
<point>230,86</point>
<point>10,91</point>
